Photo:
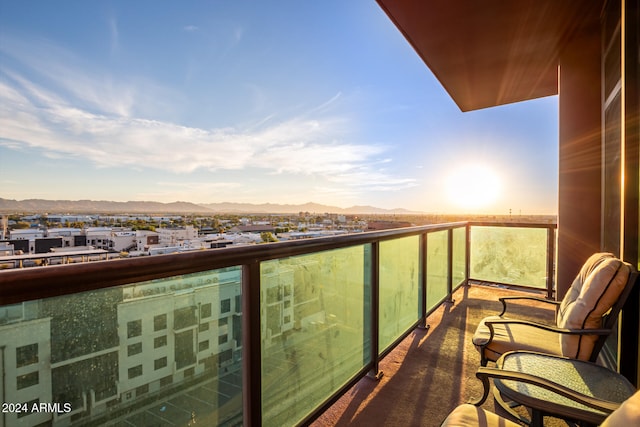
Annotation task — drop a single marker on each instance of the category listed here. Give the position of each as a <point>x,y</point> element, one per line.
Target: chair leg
<point>483,358</point>
<point>486,385</point>
<point>509,408</point>
<point>537,418</point>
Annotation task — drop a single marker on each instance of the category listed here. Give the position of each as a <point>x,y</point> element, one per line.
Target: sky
<point>284,101</point>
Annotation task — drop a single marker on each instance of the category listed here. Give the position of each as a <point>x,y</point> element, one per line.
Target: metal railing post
<point>551,245</point>
<point>423,281</point>
<point>375,372</point>
<point>251,346</point>
<point>467,253</point>
<point>450,265</point>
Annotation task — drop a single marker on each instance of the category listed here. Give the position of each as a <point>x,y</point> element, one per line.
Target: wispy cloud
<point>238,33</point>
<point>373,180</point>
<point>190,28</point>
<point>114,34</point>
<point>95,118</point>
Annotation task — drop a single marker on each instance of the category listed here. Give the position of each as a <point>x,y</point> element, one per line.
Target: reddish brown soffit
<point>491,52</point>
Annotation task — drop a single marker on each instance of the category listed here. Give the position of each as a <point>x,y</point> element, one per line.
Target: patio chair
<point>567,388</point>
<point>584,318</point>
<point>627,414</point>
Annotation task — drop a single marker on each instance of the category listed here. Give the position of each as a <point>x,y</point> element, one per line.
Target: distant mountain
<point>102,206</point>
<point>228,207</point>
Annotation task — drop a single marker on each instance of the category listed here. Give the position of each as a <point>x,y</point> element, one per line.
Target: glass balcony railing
<point>513,255</point>
<point>263,335</point>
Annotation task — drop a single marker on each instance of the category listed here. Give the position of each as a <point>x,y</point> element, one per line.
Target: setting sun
<point>473,186</point>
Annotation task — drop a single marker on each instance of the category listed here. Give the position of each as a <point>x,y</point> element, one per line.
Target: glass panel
<point>612,176</point>
<point>437,254</point>
<point>510,255</point>
<point>126,355</point>
<point>459,255</point>
<point>314,317</point>
<point>399,288</point>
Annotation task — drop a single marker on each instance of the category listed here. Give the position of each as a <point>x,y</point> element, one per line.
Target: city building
<point>146,239</point>
<point>176,236</point>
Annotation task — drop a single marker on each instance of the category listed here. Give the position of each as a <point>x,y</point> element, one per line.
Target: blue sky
<point>250,101</point>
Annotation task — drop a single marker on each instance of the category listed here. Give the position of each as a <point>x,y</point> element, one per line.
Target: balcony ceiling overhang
<point>491,52</point>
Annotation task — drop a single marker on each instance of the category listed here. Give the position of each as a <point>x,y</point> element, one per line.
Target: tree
<point>268,237</point>
<point>21,225</point>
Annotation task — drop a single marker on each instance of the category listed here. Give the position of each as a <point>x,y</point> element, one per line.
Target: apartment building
<point>124,343</point>
<point>177,236</point>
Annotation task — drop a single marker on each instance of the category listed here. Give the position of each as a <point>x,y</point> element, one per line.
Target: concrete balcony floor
<point>431,371</point>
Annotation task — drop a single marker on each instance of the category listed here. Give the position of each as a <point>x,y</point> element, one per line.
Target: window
<point>238,304</point>
<point>26,355</point>
<point>143,389</point>
<point>136,371</point>
<point>225,356</point>
<point>134,328</point>
<point>160,341</point>
<point>204,327</point>
<point>29,405</point>
<point>223,321</point>
<point>159,363</point>
<point>205,310</point>
<point>203,345</point>
<point>27,380</point>
<point>133,349</point>
<point>165,381</point>
<point>222,339</point>
<point>184,317</point>
<point>225,305</point>
<point>160,322</point>
<point>184,347</point>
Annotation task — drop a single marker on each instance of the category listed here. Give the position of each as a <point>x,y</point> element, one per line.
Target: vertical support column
<point>580,153</point>
<point>375,311</point>
<point>631,131</point>
<point>629,324</point>
<point>251,346</point>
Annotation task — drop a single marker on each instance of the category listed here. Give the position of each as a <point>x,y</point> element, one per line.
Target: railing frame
<point>20,285</point>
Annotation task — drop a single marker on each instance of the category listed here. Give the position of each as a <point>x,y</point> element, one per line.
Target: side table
<point>553,385</point>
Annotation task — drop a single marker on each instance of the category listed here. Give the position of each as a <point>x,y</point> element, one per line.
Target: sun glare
<point>473,186</point>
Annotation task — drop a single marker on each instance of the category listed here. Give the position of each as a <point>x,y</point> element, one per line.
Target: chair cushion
<point>606,277</point>
<point>514,337</point>
<point>587,268</point>
<point>469,415</point>
<point>628,414</point>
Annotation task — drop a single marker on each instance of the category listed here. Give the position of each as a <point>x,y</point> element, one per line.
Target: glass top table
<point>587,378</point>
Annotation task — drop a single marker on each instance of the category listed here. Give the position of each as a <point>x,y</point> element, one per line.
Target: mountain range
<point>103,206</point>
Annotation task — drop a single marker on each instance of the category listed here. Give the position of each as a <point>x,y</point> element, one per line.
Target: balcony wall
<point>263,335</point>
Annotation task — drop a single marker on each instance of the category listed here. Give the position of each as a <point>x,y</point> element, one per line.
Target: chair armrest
<point>484,373</point>
<point>551,328</point>
<point>489,324</point>
<point>504,301</point>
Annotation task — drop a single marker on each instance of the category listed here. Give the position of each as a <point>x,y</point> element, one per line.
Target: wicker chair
<point>584,318</point>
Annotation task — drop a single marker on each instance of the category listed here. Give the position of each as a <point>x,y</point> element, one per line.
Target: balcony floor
<point>431,371</point>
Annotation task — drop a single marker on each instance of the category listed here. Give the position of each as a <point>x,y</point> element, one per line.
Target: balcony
<point>266,335</point>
